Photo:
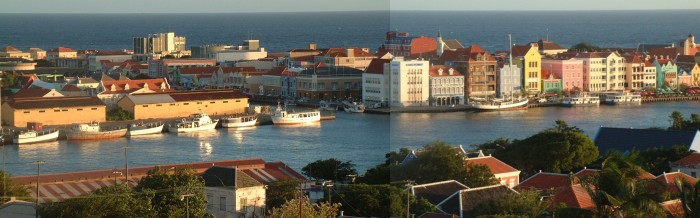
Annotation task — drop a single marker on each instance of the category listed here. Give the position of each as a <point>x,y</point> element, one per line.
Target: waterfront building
<point>570,71</point>
<point>37,53</point>
<point>182,104</point>
<point>549,48</point>
<point>635,72</point>
<point>16,64</point>
<point>53,110</point>
<point>478,66</point>
<point>663,53</point>
<point>505,174</point>
<point>375,83</point>
<point>271,82</point>
<point>165,67</point>
<point>628,139</point>
<point>78,63</point>
<point>326,83</point>
<point>401,44</point>
<point>206,51</point>
<point>232,193</point>
<point>667,74</point>
<point>688,46</point>
<point>409,82</point>
<point>12,52</point>
<point>60,52</point>
<point>158,43</point>
<point>111,91</point>
<point>358,58</point>
<point>509,81</point>
<point>684,78</point>
<point>245,79</point>
<point>249,50</point>
<point>529,59</point>
<point>687,63</point>
<point>602,71</point>
<point>689,165</point>
<point>550,83</point>
<point>446,86</point>
<point>213,77</point>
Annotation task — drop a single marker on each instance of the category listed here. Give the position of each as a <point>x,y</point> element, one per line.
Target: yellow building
<point>528,58</point>
<point>182,104</point>
<point>53,110</point>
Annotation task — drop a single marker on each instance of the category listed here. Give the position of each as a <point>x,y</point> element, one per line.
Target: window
<point>56,110</point>
<point>158,105</point>
<point>238,100</point>
<point>145,105</point>
<point>186,104</point>
<point>172,104</point>
<point>209,199</point>
<point>212,102</point>
<point>243,205</point>
<point>94,108</point>
<point>64,109</point>
<point>222,203</point>
<point>42,111</point>
<point>693,174</point>
<point>199,102</point>
<point>80,109</point>
<point>26,112</point>
<point>225,102</point>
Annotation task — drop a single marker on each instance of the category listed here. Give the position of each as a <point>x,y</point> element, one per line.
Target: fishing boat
<point>284,117</point>
<point>353,107</point>
<point>328,106</point>
<point>145,128</point>
<point>237,121</point>
<point>93,131</point>
<point>497,105</point>
<point>621,98</point>
<point>196,122</point>
<point>33,136</point>
<point>580,100</point>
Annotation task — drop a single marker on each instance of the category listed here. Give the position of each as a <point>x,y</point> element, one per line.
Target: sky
<point>238,6</point>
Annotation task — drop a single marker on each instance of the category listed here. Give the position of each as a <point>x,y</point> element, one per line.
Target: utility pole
<point>36,208</point>
<point>186,197</point>
<point>409,184</point>
<point>301,198</point>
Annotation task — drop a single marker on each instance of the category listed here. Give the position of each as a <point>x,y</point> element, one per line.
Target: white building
<point>603,71</point>
<point>232,193</point>
<point>446,86</point>
<point>250,50</point>
<point>509,81</point>
<point>375,86</point>
<point>410,85</point>
<point>95,60</point>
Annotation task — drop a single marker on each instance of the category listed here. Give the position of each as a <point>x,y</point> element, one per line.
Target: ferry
<point>495,105</point>
<point>353,107</point>
<point>34,136</point>
<point>93,131</point>
<point>619,98</point>
<point>282,117</point>
<point>580,100</point>
<point>239,121</point>
<point>145,128</point>
<point>196,122</point>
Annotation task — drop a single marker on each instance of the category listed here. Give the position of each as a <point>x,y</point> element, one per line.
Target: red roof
<point>574,196</point>
<point>669,53</point>
<point>31,92</point>
<point>691,159</point>
<point>495,165</point>
<point>549,45</point>
<point>279,71</point>
<point>520,50</point>
<point>62,49</point>
<point>435,71</point>
<point>376,66</point>
<point>71,88</point>
<point>342,52</point>
<point>685,59</point>
<point>586,172</point>
<point>9,49</point>
<point>635,59</point>
<point>211,94</point>
<point>546,74</point>
<point>134,85</point>
<point>669,180</point>
<point>464,54</point>
<point>214,69</point>
<point>674,208</point>
<point>664,61</point>
<point>545,181</point>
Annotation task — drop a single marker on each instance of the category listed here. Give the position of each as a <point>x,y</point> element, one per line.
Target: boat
<point>580,100</point>
<point>328,106</point>
<point>353,107</point>
<point>145,128</point>
<point>33,136</point>
<point>496,105</point>
<point>196,122</point>
<point>237,121</point>
<point>283,117</point>
<point>92,131</point>
<point>621,98</point>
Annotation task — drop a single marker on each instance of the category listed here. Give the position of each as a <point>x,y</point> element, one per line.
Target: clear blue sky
<point>232,6</point>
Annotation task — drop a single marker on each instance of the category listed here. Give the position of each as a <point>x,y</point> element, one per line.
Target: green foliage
<point>394,158</point>
<point>525,204</point>
<point>280,191</point>
<point>584,46</point>
<point>676,120</point>
<point>571,212</point>
<point>141,76</point>
<point>689,195</point>
<point>118,114</point>
<point>438,162</point>
<point>479,175</point>
<point>679,123</point>
<point>329,169</point>
<point>169,188</point>
<point>377,175</point>
<point>656,160</point>
<point>379,201</point>
<point>110,201</point>
<point>494,147</point>
<point>12,189</point>
<point>9,79</point>
<point>317,210</point>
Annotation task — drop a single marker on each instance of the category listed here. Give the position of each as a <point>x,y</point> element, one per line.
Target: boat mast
<point>510,61</point>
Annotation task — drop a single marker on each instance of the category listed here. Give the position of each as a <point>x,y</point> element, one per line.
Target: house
<point>689,165</point>
<point>550,48</point>
<point>550,83</point>
<point>437,192</point>
<point>271,82</point>
<point>627,139</point>
<point>688,46</point>
<point>72,90</point>
<point>53,111</point>
<point>505,174</point>
<point>87,84</point>
<point>570,71</point>
<point>375,83</point>
<point>17,209</point>
<point>635,72</point>
<point>478,66</point>
<point>401,44</point>
<point>529,59</point>
<point>666,74</point>
<point>165,67</point>
<point>674,208</point>
<point>182,104</point>
<point>358,58</point>
<point>95,60</point>
<point>12,52</point>
<point>232,193</point>
<point>509,80</point>
<point>602,71</point>
<point>60,52</point>
<point>325,83</point>
<point>668,180</point>
<point>546,182</point>
<point>446,86</point>
<point>112,91</point>
<point>37,92</point>
<point>463,202</point>
<point>575,196</point>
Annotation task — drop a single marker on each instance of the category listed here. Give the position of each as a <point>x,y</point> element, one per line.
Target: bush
<point>118,114</point>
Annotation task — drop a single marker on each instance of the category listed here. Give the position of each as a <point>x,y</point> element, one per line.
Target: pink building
<point>161,68</point>
<point>570,71</point>
<point>684,77</point>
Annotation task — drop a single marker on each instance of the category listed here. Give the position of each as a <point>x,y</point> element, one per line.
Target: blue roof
<point>627,139</point>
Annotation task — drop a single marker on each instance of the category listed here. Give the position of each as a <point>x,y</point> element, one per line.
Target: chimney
<point>440,71</point>
<point>350,52</point>
<point>312,46</point>
<point>451,71</point>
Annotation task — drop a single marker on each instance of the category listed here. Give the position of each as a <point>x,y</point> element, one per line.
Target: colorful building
<point>401,44</point>
<point>479,67</point>
<point>446,86</point>
<point>60,52</point>
<point>375,83</point>
<point>111,91</point>
<point>509,81</point>
<point>327,83</point>
<point>635,72</point>
<point>529,59</point>
<point>409,81</point>
<point>358,58</point>
<point>550,48</point>
<point>688,46</point>
<point>550,83</point>
<point>667,74</point>
<point>570,71</point>
<point>602,71</point>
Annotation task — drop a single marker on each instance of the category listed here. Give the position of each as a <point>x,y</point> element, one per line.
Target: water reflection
<point>239,133</point>
<point>205,149</point>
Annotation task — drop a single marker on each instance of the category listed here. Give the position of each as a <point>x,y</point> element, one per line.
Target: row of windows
<point>199,102</point>
<point>60,110</point>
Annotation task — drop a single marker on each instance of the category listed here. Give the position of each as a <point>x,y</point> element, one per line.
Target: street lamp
<point>115,172</point>
<point>329,184</point>
<point>186,197</point>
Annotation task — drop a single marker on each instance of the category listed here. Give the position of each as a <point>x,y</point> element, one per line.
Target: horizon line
<point>377,10</point>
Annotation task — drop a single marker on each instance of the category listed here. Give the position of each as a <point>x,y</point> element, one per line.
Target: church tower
<point>440,44</point>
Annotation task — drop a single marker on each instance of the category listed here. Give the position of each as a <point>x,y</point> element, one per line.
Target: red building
<point>402,44</point>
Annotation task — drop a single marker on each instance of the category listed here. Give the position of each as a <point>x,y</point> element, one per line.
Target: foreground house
<point>232,193</point>
<point>689,165</point>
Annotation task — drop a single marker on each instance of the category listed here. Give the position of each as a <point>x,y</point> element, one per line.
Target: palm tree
<point>690,198</point>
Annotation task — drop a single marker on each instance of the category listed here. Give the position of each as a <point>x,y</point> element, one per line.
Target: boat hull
<point>53,136</point>
<point>210,126</point>
<point>500,107</point>
<point>81,135</point>
<point>239,124</point>
<point>147,131</point>
<point>292,121</point>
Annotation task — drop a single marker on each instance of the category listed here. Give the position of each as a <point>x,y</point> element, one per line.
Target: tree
<point>479,175</point>
<point>12,189</point>
<point>280,191</point>
<point>118,114</point>
<point>690,198</point>
<point>380,174</point>
<point>110,201</point>
<point>379,201</point>
<point>169,188</point>
<point>438,162</point>
<point>329,169</point>
<point>584,47</point>
<point>527,204</point>
<point>317,210</point>
<point>493,147</point>
<point>676,120</point>
<point>656,160</point>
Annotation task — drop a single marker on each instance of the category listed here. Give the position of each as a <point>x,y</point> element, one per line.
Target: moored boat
<point>620,98</point>
<point>580,100</point>
<point>93,131</point>
<point>500,105</point>
<point>33,136</point>
<point>196,122</point>
<point>239,121</point>
<point>353,107</point>
<point>328,106</point>
<point>145,128</point>
<point>283,117</point>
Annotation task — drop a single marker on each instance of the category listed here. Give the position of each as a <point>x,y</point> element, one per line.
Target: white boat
<point>500,105</point>
<point>353,107</point>
<point>92,131</point>
<point>580,100</point>
<point>619,98</point>
<point>33,136</point>
<point>328,106</point>
<point>196,122</point>
<point>145,128</point>
<point>283,117</point>
<point>239,121</point>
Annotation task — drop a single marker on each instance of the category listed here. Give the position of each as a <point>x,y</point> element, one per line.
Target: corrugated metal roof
<point>150,99</point>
